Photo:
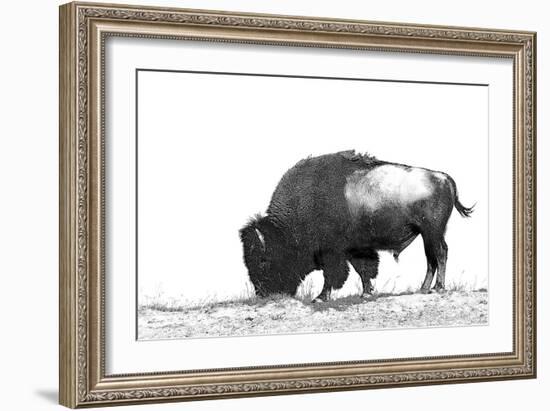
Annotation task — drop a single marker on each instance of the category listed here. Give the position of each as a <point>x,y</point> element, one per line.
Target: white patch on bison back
<point>369,190</point>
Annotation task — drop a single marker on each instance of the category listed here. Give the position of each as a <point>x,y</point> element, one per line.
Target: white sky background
<point>212,149</point>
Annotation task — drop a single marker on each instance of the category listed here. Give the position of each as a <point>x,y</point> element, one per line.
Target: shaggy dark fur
<point>309,226</point>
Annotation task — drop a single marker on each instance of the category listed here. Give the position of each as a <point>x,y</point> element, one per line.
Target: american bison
<point>341,207</point>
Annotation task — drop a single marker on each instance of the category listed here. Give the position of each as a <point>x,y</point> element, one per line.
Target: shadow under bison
<point>341,207</point>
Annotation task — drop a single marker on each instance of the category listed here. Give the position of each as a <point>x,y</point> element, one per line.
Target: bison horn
<point>261,237</point>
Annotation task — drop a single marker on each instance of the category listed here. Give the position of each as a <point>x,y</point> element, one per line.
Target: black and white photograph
<point>309,203</point>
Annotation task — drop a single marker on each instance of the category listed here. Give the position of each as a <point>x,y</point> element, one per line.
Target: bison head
<point>269,257</point>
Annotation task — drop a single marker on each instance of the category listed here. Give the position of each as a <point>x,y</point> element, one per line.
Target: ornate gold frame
<point>83,29</point>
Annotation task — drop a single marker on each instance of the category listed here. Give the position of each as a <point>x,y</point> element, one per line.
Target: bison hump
<point>386,186</point>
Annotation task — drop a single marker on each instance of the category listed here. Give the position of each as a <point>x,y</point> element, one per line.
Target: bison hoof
<point>323,298</point>
<point>425,291</point>
<point>367,291</point>
<point>439,288</point>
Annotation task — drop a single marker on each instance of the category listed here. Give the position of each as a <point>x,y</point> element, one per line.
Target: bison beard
<point>345,207</point>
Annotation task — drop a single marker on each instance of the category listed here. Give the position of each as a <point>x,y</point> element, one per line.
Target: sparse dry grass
<point>161,302</point>
<point>306,293</point>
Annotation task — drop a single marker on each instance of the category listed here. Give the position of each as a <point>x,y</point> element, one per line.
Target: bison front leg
<point>366,266</point>
<point>335,271</point>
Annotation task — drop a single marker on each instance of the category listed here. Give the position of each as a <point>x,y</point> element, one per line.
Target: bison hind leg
<point>441,267</point>
<point>335,272</point>
<point>436,257</point>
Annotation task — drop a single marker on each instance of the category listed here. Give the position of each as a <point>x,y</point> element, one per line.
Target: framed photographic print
<point>259,204</point>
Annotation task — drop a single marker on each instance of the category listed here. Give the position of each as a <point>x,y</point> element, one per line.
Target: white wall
<point>28,210</point>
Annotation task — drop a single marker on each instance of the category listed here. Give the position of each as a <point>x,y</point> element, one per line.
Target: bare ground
<point>286,315</point>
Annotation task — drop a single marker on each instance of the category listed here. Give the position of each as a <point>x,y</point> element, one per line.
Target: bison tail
<point>462,210</point>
